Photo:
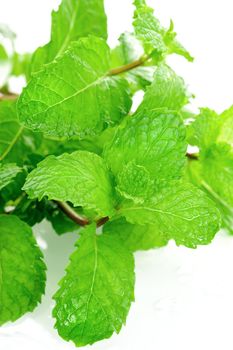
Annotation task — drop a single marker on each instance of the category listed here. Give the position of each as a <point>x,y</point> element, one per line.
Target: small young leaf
<point>153,139</point>
<point>180,212</point>
<point>95,295</point>
<point>74,19</point>
<point>135,237</point>
<point>22,281</point>
<point>80,178</point>
<point>158,42</point>
<point>82,101</point>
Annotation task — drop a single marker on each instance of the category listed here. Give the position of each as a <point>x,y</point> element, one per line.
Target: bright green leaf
<point>226,131</point>
<point>64,102</point>
<point>158,42</point>
<point>180,212</point>
<point>80,178</point>
<point>95,295</point>
<point>74,19</point>
<point>16,142</point>
<point>135,237</point>
<point>22,281</point>
<point>152,139</point>
<point>167,90</point>
<point>7,174</point>
<point>204,131</point>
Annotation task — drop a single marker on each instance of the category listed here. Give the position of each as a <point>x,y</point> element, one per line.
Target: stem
<point>192,156</point>
<point>102,221</point>
<point>8,96</point>
<point>128,66</point>
<point>71,213</point>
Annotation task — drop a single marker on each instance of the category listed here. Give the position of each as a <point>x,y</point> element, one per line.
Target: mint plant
<point>73,152</point>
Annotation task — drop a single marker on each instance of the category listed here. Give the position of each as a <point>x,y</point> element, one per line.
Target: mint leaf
<point>180,212</point>
<point>158,42</point>
<point>148,29</point>
<point>76,19</point>
<point>95,295</point>
<point>16,142</point>
<point>217,167</point>
<point>80,178</point>
<point>135,237</point>
<point>3,54</point>
<point>174,46</point>
<point>167,90</point>
<point>226,131</point>
<point>134,182</point>
<point>22,280</point>
<point>204,131</point>
<point>7,174</point>
<point>64,102</point>
<point>153,139</point>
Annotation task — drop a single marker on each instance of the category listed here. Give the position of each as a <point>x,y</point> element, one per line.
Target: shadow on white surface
<point>184,299</point>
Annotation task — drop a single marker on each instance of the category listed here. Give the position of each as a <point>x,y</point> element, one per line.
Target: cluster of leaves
<point>71,151</point>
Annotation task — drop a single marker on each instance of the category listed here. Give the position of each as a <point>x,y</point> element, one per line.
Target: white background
<point>184,298</point>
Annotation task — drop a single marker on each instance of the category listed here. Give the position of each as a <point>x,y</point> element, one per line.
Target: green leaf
<point>217,170</point>
<point>204,131</point>
<point>135,237</point>
<point>158,42</point>
<point>7,174</point>
<point>180,212</point>
<point>80,178</point>
<point>174,46</point>
<point>167,90</point>
<point>3,53</point>
<point>30,211</point>
<point>226,131</point>
<point>148,29</point>
<point>16,142</point>
<point>82,101</point>
<point>153,139</point>
<point>21,64</point>
<point>22,269</point>
<point>134,182</point>
<point>74,19</point>
<point>95,295</point>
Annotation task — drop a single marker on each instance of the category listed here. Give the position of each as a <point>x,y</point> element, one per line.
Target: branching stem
<point>129,66</point>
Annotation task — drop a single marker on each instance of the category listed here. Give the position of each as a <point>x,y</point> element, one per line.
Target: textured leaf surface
<point>226,132</point>
<point>15,141</point>
<point>153,139</point>
<point>80,178</point>
<point>95,295</point>
<point>7,174</point>
<point>158,42</point>
<point>83,100</point>
<point>135,237</point>
<point>180,212</point>
<point>218,171</point>
<point>204,131</point>
<point>167,90</point>
<point>74,19</point>
<point>22,270</point>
